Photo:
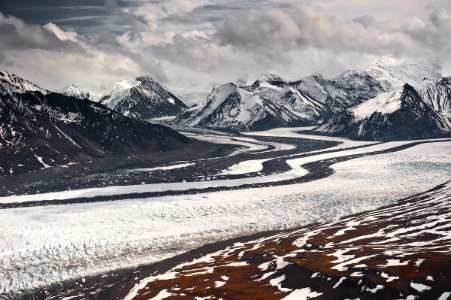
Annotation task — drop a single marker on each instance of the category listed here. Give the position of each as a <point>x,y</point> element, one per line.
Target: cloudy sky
<point>190,45</point>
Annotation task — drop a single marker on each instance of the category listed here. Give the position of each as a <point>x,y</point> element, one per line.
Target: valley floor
<point>270,180</point>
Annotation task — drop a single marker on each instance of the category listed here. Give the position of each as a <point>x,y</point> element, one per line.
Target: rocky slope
<point>395,252</point>
<point>348,89</point>
<point>38,131</point>
<point>142,99</point>
<point>269,102</point>
<point>438,96</point>
<point>396,115</point>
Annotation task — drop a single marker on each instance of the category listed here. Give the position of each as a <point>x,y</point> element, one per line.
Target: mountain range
<point>315,100</point>
<point>40,129</point>
<point>405,101</point>
<point>267,103</point>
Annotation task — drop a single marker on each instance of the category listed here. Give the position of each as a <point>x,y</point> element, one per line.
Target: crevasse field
<point>45,244</point>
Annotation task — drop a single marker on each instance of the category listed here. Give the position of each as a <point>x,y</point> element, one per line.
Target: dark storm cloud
<point>16,35</point>
<point>197,42</point>
<point>81,15</point>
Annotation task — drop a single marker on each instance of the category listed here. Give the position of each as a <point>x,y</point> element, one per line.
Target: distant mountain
<point>74,91</point>
<point>412,72</point>
<point>336,103</point>
<point>40,130</point>
<point>346,90</point>
<point>269,102</point>
<point>438,96</point>
<point>142,99</point>
<point>396,115</point>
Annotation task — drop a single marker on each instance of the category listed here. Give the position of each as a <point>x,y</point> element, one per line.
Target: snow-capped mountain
<point>76,92</point>
<point>269,102</point>
<point>142,99</point>
<point>397,115</point>
<point>10,83</point>
<point>42,130</point>
<point>438,96</point>
<point>343,91</point>
<point>395,75</point>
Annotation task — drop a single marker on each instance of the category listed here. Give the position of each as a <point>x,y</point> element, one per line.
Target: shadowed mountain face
<point>388,253</point>
<point>398,115</point>
<point>42,130</point>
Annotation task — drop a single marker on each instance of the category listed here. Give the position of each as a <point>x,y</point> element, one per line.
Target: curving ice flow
<point>296,171</point>
<point>249,144</point>
<point>69,241</point>
<point>293,132</point>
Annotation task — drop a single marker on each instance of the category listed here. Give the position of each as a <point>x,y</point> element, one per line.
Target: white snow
<point>339,282</point>
<point>313,88</point>
<point>385,103</point>
<point>171,167</point>
<point>388,277</point>
<point>68,241</point>
<point>302,294</point>
<point>444,296</point>
<point>39,158</point>
<point>395,262</point>
<point>419,286</point>
<point>244,167</point>
<point>124,85</point>
<point>374,290</point>
<point>163,294</point>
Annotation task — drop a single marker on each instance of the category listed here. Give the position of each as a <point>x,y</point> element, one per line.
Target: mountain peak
<point>268,77</point>
<point>395,74</point>
<point>11,83</point>
<point>145,79</point>
<point>74,91</point>
<point>142,98</point>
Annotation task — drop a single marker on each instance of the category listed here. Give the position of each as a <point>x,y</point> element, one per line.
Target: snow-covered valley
<point>41,245</point>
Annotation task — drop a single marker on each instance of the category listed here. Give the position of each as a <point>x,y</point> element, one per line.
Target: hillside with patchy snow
<point>399,251</point>
<point>40,130</point>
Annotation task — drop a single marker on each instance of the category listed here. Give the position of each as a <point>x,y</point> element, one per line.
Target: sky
<point>192,45</point>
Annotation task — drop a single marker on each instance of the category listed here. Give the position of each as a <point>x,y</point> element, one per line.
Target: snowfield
<point>46,244</point>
